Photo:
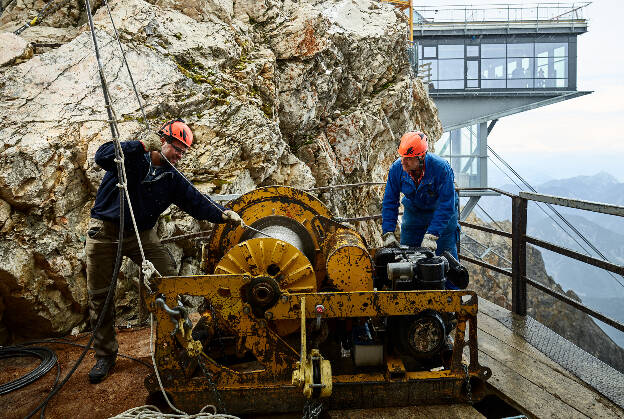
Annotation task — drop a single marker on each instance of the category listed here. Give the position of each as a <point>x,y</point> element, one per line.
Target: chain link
<point>468,385</point>
<point>312,409</point>
<point>213,386</point>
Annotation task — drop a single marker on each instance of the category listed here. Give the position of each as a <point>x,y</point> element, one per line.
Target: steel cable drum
<point>289,260</point>
<point>48,360</point>
<point>289,214</point>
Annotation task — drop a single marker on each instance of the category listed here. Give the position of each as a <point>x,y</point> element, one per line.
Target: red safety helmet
<point>176,129</point>
<point>413,144</point>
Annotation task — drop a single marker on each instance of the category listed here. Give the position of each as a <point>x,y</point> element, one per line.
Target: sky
<point>580,136</point>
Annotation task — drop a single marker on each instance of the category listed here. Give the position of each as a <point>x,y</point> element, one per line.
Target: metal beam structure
<point>458,110</point>
<point>467,209</point>
<point>504,19</point>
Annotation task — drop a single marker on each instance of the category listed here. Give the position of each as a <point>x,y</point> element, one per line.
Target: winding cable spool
<point>48,360</point>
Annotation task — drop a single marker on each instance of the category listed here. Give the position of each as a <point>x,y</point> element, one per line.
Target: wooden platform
<point>522,376</point>
<point>529,380</point>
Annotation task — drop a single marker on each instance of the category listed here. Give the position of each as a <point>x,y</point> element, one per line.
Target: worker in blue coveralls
<point>430,217</point>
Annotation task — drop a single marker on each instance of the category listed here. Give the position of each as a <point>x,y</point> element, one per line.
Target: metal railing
<point>424,73</point>
<point>520,239</point>
<point>511,13</point>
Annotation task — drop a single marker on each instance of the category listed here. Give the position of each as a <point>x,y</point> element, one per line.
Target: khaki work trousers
<point>101,251</point>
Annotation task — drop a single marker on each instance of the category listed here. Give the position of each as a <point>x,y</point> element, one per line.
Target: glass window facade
<point>494,64</point>
<point>430,52</point>
<point>467,156</point>
<point>472,50</point>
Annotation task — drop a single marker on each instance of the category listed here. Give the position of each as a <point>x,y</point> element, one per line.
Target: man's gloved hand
<point>389,240</point>
<point>151,142</point>
<point>430,242</point>
<point>231,216</point>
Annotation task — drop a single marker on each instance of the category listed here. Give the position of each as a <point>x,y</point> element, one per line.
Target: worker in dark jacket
<point>430,216</point>
<point>153,185</point>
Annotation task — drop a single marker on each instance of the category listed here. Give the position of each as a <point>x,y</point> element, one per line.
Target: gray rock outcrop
<point>308,93</point>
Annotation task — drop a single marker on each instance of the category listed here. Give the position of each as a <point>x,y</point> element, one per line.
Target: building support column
<point>465,212</point>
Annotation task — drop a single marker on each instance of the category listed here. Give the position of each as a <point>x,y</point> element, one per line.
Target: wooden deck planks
<point>531,380</point>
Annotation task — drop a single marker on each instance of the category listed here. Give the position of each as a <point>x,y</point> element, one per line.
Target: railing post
<point>518,256</point>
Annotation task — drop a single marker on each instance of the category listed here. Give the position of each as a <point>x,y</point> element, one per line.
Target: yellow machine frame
<point>333,256</point>
<point>272,383</point>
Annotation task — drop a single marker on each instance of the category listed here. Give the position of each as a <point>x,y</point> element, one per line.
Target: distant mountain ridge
<point>596,287</point>
<point>601,187</point>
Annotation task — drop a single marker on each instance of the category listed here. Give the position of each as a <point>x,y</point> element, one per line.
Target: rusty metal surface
<point>351,394</point>
<point>262,291</point>
<point>277,358</point>
<point>348,263</point>
<point>261,203</point>
<point>270,257</point>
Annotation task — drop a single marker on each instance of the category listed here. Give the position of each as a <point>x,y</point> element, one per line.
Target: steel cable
<point>557,213</point>
<point>118,257</point>
<point>80,345</point>
<point>40,16</point>
<point>48,360</point>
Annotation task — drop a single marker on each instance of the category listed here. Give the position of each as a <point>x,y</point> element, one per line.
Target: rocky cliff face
<point>568,322</point>
<point>300,93</point>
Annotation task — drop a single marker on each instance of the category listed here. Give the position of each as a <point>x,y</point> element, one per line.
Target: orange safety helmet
<point>413,144</point>
<point>176,129</point>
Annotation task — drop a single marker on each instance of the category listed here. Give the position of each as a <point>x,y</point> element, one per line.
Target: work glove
<point>151,142</point>
<point>389,240</point>
<point>430,242</point>
<point>231,216</point>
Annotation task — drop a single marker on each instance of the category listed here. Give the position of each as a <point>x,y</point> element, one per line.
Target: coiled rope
<point>149,411</point>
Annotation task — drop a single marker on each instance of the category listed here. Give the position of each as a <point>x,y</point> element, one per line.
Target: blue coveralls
<point>429,208</point>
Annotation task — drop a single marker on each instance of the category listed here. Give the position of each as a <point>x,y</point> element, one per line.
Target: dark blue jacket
<point>150,196</point>
<point>436,192</point>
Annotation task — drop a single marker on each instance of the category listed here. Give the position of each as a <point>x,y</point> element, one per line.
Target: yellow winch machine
<point>311,312</point>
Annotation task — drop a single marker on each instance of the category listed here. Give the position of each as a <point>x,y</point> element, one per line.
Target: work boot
<point>102,368</point>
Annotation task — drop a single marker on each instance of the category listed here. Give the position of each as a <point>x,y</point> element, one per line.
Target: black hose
<point>118,159</point>
<point>61,341</point>
<point>48,360</point>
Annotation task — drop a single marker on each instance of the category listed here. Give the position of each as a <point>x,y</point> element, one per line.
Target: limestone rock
<point>49,35</point>
<point>66,14</point>
<point>13,49</point>
<point>302,93</point>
